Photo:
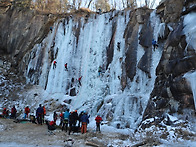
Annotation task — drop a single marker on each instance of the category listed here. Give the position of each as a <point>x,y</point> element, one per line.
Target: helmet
<point>98,114</point>
<point>4,109</point>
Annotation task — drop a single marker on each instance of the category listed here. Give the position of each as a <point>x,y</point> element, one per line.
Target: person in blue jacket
<point>154,43</point>
<point>39,114</point>
<point>85,121</point>
<point>66,120</point>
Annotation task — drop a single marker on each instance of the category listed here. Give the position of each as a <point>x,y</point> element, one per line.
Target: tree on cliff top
<point>103,5</point>
<point>53,6</point>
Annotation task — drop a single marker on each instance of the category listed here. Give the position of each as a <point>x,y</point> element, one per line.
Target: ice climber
<point>98,120</point>
<point>99,71</point>
<point>79,81</point>
<point>54,64</point>
<point>51,28</point>
<point>154,43</point>
<point>39,114</point>
<point>66,69</point>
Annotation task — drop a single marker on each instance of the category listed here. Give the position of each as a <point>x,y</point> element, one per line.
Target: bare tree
<point>131,3</point>
<point>123,4</point>
<point>152,4</point>
<point>89,3</point>
<point>102,4</point>
<point>79,3</point>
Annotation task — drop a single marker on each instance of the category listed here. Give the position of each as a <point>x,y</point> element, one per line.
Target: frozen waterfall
<point>83,44</point>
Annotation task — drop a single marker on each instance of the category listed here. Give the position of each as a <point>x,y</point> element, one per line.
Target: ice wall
<point>190,29</point>
<point>82,43</point>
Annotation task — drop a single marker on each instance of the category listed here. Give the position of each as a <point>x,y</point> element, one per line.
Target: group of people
<point>76,122</point>
<point>55,63</point>
<point>6,112</point>
<point>69,121</point>
<point>40,114</point>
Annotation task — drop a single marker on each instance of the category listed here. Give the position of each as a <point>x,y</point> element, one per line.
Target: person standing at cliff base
<point>98,120</point>
<point>85,121</point>
<point>26,113</point>
<point>39,114</point>
<point>13,112</point>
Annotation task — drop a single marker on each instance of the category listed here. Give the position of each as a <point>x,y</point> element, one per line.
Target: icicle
<point>190,28</point>
<point>185,50</point>
<point>161,31</point>
<point>191,77</point>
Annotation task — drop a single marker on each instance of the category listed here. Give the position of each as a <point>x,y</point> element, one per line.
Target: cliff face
<point>119,42</point>
<point>21,28</point>
<point>172,92</point>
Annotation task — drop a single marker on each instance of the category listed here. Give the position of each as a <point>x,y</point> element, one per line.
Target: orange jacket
<point>44,110</point>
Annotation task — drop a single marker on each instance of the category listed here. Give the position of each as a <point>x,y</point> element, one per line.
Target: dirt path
<point>37,135</point>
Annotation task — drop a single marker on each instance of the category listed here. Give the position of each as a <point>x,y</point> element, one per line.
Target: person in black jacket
<point>13,112</point>
<point>71,122</point>
<point>75,117</point>
<point>79,118</point>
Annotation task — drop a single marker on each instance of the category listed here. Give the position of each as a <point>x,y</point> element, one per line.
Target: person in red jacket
<point>66,69</point>
<point>61,119</point>
<point>98,120</point>
<point>4,112</point>
<point>79,80</point>
<point>54,64</point>
<point>51,126</point>
<point>27,110</point>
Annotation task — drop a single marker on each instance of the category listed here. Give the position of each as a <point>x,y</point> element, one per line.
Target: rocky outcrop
<point>23,28</point>
<point>170,10</point>
<point>177,59</point>
<point>140,17</point>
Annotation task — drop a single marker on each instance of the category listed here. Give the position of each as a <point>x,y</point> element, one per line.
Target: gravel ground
<point>37,135</point>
